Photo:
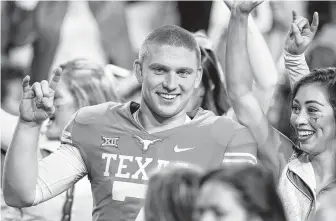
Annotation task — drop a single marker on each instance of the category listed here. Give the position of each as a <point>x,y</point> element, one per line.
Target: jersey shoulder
<point>90,114</point>
<point>240,143</point>
<point>225,129</point>
<point>85,117</point>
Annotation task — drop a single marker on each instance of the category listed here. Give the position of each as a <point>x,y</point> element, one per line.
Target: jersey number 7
<point>121,190</point>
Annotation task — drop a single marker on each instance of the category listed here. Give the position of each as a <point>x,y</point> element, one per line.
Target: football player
<point>117,145</point>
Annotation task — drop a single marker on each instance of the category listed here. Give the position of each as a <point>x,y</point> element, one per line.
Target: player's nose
<point>170,81</point>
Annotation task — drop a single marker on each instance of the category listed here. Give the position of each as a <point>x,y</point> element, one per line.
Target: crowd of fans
<point>261,66</point>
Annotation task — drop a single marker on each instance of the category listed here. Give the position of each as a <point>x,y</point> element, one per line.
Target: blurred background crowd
<point>38,36</point>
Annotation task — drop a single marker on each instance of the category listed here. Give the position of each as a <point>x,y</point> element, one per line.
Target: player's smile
<point>167,96</point>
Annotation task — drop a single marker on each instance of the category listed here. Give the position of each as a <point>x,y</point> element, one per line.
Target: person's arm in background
<point>300,35</point>
<point>48,19</point>
<point>263,68</point>
<point>273,149</point>
<point>111,19</point>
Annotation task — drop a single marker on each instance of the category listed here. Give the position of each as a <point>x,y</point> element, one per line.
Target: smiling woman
<point>313,172</point>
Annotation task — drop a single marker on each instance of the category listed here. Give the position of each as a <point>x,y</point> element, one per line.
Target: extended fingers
<point>25,84</point>
<point>294,15</point>
<point>45,88</point>
<point>315,22</point>
<point>55,78</point>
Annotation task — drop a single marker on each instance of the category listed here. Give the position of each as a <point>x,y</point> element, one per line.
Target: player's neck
<point>153,123</point>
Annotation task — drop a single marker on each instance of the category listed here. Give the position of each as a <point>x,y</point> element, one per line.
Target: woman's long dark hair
<point>215,98</point>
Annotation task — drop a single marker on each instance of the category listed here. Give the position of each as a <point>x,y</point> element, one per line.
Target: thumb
<point>25,84</point>
<point>315,23</point>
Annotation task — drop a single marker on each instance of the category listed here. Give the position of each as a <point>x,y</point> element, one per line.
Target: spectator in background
<point>171,193</point>
<point>303,179</point>
<point>211,94</point>
<point>239,194</point>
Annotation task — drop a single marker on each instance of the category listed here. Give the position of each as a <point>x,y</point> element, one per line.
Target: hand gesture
<point>37,102</point>
<point>301,34</point>
<point>242,6</point>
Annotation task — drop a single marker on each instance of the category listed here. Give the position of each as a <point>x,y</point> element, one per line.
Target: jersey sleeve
<point>81,125</point>
<point>296,66</point>
<point>66,137</point>
<point>58,172</point>
<point>242,148</point>
<point>238,142</point>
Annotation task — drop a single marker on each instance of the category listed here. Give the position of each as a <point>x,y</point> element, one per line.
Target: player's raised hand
<point>37,100</point>
<point>242,6</point>
<point>301,33</point>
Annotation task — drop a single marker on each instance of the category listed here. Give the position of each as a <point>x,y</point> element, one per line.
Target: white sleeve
<point>58,172</point>
<point>296,66</point>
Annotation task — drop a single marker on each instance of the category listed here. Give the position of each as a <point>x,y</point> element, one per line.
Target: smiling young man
<point>118,145</point>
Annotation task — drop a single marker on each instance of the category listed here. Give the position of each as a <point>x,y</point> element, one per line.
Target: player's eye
<point>184,74</point>
<point>159,71</point>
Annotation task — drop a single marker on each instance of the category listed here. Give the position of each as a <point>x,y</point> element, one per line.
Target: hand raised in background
<point>301,33</point>
<point>242,6</point>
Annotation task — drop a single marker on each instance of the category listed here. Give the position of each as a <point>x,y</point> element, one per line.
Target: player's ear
<point>138,70</point>
<point>199,75</point>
